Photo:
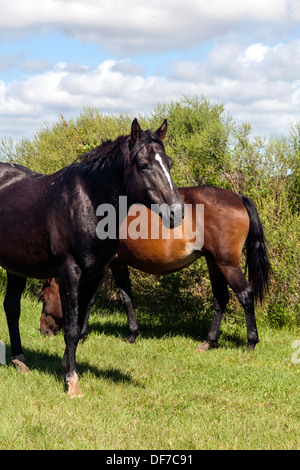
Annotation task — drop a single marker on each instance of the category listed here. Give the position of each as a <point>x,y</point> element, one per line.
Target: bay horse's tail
<point>257,261</point>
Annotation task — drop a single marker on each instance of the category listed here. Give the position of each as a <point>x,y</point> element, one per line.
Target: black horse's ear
<point>162,130</point>
<point>135,130</point>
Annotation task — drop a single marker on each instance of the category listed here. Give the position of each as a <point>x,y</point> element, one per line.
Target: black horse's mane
<point>116,153</point>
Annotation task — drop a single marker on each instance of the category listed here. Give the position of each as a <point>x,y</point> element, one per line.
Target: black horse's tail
<point>257,261</point>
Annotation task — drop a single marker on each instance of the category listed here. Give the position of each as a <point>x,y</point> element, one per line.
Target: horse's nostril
<point>177,215</point>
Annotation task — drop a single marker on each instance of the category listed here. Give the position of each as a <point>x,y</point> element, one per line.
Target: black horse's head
<point>149,181</point>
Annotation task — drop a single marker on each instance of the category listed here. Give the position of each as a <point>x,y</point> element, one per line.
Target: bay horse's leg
<point>11,304</point>
<point>221,296</point>
<point>121,276</point>
<point>69,286</point>
<point>245,294</point>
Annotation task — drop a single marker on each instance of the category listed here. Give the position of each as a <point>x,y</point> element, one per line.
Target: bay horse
<point>230,222</point>
<point>48,226</point>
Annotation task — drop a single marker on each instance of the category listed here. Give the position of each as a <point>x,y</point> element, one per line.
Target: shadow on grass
<point>111,328</point>
<point>51,364</point>
<point>164,322</point>
<point>231,340</point>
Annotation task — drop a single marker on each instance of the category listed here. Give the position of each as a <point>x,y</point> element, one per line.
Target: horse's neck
<point>105,187</point>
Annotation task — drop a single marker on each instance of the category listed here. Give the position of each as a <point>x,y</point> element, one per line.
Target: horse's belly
<point>157,256</point>
<point>26,256</point>
<point>23,268</point>
<point>158,249</point>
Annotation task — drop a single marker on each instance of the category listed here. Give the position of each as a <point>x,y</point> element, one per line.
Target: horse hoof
<point>21,366</point>
<point>252,342</point>
<point>75,393</point>
<point>73,388</point>
<point>133,337</point>
<point>205,346</point>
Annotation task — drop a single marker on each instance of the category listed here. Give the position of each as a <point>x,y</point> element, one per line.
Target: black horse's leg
<point>221,296</point>
<point>69,279</point>
<point>121,276</point>
<point>11,304</point>
<point>245,294</point>
<point>85,301</point>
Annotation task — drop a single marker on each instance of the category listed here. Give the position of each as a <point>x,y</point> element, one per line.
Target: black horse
<point>48,226</point>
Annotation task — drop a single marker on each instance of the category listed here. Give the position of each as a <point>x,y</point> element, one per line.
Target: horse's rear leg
<point>221,296</point>
<point>11,304</point>
<point>121,276</point>
<point>245,294</point>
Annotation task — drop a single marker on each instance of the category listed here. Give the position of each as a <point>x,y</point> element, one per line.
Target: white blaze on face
<point>167,174</point>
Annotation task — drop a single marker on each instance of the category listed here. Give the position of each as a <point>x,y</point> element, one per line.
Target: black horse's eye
<point>142,166</point>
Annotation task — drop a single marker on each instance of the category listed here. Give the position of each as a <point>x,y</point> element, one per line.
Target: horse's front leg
<point>69,279</point>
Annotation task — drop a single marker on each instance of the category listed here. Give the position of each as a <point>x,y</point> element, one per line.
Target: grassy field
<point>156,394</point>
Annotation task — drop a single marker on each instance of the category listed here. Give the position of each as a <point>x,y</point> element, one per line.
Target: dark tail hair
<point>257,262</point>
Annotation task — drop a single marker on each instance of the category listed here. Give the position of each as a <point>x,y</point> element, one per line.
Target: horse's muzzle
<point>174,216</point>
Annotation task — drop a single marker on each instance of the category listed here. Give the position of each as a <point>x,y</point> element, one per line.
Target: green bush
<point>207,147</point>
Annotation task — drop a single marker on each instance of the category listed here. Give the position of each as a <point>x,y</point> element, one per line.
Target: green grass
<point>156,394</point>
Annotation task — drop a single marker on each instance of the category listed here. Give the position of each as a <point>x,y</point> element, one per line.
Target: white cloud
<point>252,91</point>
<point>134,26</point>
<point>254,53</point>
<point>27,103</point>
<point>34,65</point>
<point>296,93</point>
<point>256,81</point>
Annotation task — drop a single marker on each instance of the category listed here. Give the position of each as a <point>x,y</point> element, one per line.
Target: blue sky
<point>57,56</point>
